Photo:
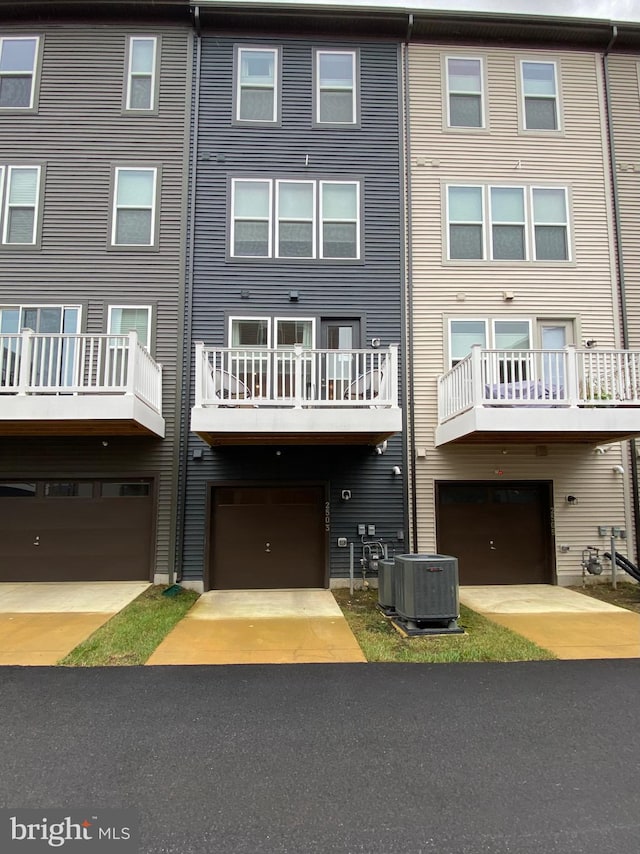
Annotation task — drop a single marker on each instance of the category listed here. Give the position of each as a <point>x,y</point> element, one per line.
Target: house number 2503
<point>327,516</point>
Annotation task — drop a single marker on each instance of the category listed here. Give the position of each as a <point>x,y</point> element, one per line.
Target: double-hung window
<point>257,71</point>
<point>18,61</point>
<point>131,318</point>
<point>465,92</point>
<point>540,95</point>
<point>506,223</point>
<point>311,219</point>
<point>336,87</point>
<point>141,73</point>
<point>21,199</point>
<point>134,207</point>
<point>500,335</point>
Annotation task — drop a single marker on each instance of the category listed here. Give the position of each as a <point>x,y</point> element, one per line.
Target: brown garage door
<point>267,537</point>
<point>500,533</point>
<point>76,530</point>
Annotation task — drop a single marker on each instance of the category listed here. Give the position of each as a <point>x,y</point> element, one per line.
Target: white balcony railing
<point>296,378</point>
<point>568,378</point>
<point>68,364</point>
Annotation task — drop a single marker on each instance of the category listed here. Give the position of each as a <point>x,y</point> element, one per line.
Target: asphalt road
<point>537,757</point>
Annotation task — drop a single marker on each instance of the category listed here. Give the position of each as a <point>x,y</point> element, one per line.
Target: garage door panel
<point>267,538</point>
<point>75,538</point>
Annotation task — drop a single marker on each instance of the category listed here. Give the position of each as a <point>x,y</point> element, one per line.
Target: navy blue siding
<point>370,290</point>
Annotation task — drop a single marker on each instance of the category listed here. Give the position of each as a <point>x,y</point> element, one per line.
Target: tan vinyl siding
<point>79,133</point>
<point>583,289</point>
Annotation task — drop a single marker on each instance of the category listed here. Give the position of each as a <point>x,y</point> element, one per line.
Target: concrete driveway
<point>570,624</point>
<point>40,622</point>
<point>260,627</point>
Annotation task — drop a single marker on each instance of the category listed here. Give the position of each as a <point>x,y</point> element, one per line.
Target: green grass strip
<point>134,633</point>
<point>483,640</point>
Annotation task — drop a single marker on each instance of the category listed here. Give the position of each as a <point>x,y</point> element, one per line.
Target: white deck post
<point>393,369</point>
<point>26,355</point>
<point>477,386</point>
<point>573,389</point>
<point>132,361</point>
<point>199,373</point>
<point>297,387</point>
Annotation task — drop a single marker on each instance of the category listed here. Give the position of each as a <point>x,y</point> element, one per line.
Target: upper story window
<point>336,87</point>
<point>257,71</point>
<point>134,207</point>
<point>540,95</point>
<point>18,60</point>
<point>21,204</point>
<point>131,318</point>
<point>505,223</point>
<point>141,73</point>
<point>465,92</point>
<point>311,219</point>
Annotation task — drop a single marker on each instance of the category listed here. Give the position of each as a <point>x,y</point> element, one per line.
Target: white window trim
<point>451,321</point>
<point>555,97</point>
<point>119,306</point>
<point>131,74</point>
<point>529,224</point>
<point>495,320</point>
<point>275,85</point>
<point>117,207</point>
<point>319,88</point>
<point>36,206</point>
<point>449,92</point>
<point>34,69</point>
<point>492,222</point>
<point>286,347</point>
<point>322,220</point>
<point>566,224</point>
<point>234,218</point>
<point>249,317</point>
<point>63,306</point>
<point>484,192</point>
<point>278,219</point>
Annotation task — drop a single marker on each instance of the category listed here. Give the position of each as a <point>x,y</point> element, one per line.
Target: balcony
<point>540,396</point>
<point>296,396</point>
<point>78,385</point>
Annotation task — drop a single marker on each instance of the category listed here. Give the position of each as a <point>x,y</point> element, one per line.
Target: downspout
<point>621,278</point>
<point>407,342</point>
<point>188,314</point>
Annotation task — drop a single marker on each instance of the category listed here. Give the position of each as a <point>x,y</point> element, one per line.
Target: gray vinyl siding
<point>79,133</point>
<point>369,289</point>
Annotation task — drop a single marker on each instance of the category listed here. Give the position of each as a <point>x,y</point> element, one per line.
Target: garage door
<point>500,533</point>
<point>267,537</point>
<point>76,530</point>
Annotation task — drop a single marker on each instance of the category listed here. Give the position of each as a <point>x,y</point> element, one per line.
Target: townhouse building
<point>523,391</point>
<point>94,117</point>
<point>295,299</point>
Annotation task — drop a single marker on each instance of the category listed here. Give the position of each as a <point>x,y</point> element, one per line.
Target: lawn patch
<point>483,641</point>
<point>133,634</point>
<point>626,596</point>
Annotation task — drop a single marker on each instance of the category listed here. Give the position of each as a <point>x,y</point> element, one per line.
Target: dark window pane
<point>296,240</point>
<point>125,490</point>
<point>20,225</point>
<point>465,111</point>
<point>463,494</point>
<point>339,240</point>
<point>541,114</point>
<point>551,243</point>
<point>514,496</point>
<point>17,490</point>
<point>256,105</point>
<point>508,242</point>
<point>68,489</point>
<point>251,239</point>
<point>466,241</point>
<point>133,228</point>
<point>336,107</point>
<point>140,93</point>
<point>15,91</point>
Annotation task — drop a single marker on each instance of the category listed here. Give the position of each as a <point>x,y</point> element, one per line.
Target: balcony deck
<point>296,396</point>
<point>78,385</point>
<point>540,396</point>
